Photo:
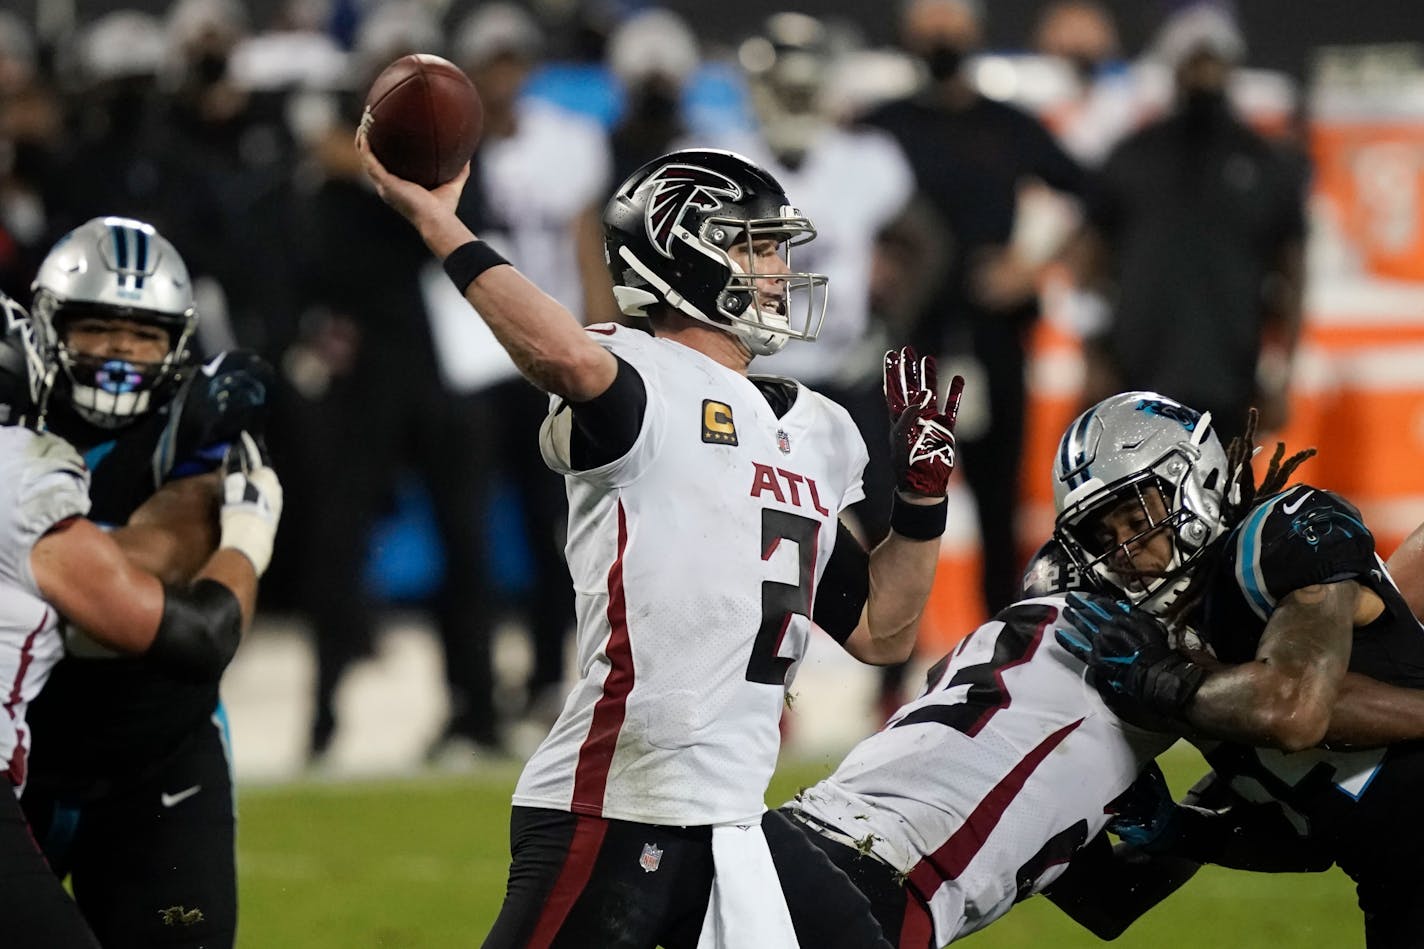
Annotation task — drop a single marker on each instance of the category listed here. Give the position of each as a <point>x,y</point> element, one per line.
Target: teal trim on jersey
<point>1356,795</point>
<point>1248,562</point>
<point>219,720</point>
<point>1362,527</point>
<point>98,453</point>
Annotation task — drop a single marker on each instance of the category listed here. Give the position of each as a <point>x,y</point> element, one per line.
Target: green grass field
<point>422,863</point>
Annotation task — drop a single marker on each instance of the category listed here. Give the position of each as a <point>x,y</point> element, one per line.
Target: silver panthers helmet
<point>112,268</point>
<point>1112,455</point>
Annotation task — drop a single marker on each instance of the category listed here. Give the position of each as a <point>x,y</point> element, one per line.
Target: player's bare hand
<point>420,206</point>
<point>921,436</point>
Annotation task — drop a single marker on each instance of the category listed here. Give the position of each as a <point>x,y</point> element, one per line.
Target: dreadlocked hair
<point>1239,496</point>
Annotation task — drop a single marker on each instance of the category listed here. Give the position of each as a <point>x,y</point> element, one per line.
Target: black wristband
<point>918,521</point>
<point>466,262</point>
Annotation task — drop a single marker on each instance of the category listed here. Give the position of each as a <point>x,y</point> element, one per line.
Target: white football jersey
<point>980,790</point>
<point>42,481</point>
<point>851,184</point>
<point>694,560</point>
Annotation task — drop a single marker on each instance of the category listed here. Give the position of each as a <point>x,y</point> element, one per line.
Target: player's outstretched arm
<point>543,338</point>
<point>902,566</point>
<point>83,573</point>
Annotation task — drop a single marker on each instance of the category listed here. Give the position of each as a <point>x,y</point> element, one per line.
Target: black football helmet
<point>667,232</point>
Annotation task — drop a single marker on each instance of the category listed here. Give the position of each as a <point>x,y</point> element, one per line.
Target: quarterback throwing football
<point>703,524</point>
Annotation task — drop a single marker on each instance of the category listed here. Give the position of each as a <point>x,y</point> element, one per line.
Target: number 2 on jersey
<point>781,601</point>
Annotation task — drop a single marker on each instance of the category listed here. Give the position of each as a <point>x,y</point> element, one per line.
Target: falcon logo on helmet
<point>677,188</point>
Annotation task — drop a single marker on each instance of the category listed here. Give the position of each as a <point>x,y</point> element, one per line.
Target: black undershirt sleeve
<point>199,632</point>
<point>606,426</point>
<point>845,586</point>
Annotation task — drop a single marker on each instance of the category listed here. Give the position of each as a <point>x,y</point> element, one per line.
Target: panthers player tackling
<point>1283,585</point>
<point>704,522</point>
<point>130,789</point>
<point>57,566</point>
<point>999,780</point>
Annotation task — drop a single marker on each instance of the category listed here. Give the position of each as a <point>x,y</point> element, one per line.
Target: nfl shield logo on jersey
<point>783,441</point>
<point>652,856</point>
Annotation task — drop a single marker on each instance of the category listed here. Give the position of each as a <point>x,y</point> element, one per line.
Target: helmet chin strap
<point>761,342</point>
<point>761,338</point>
<point>755,335</point>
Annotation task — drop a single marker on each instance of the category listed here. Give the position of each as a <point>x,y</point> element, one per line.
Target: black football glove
<point>1145,815</point>
<point>1130,653</point>
<point>921,436</point>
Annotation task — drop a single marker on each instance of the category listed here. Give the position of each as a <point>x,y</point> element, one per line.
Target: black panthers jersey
<point>1303,536</point>
<point>101,718</point>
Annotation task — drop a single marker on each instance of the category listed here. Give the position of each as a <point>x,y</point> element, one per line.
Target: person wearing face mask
<point>1101,106</point>
<point>970,155</point>
<point>1195,232</point>
<point>653,54</point>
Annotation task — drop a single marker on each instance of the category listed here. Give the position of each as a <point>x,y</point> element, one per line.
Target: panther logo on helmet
<point>676,188</point>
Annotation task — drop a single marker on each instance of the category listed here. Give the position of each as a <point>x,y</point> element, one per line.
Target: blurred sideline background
<point>369,845</point>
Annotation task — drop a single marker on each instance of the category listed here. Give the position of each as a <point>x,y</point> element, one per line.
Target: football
<point>423,119</point>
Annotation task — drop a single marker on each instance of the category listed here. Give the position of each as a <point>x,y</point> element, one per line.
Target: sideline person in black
<point>970,155</point>
<point>1196,227</point>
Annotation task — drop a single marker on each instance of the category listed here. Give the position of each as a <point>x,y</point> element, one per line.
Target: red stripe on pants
<point>573,877</point>
<point>916,929</point>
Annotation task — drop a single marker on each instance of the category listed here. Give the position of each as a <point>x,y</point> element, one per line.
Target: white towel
<point>747,909</point>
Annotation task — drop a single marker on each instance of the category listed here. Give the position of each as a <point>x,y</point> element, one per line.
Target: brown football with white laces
<point>423,119</point>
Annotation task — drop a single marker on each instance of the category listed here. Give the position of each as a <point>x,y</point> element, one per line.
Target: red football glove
<point>921,436</point>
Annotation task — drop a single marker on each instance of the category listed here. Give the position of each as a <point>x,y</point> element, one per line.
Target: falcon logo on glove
<point>921,436</point>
